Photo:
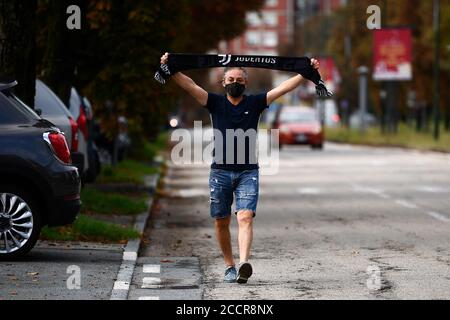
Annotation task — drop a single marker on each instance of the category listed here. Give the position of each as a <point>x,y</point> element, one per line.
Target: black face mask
<point>235,89</point>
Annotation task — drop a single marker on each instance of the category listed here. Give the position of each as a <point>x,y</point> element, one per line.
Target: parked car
<point>50,107</point>
<point>299,125</point>
<point>93,154</point>
<point>76,107</point>
<point>38,184</point>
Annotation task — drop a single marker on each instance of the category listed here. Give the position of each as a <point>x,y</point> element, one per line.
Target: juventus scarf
<point>181,62</point>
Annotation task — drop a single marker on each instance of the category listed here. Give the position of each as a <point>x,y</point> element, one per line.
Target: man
<point>234,172</point>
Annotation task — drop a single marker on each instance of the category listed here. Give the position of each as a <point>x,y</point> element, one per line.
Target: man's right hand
<point>164,58</point>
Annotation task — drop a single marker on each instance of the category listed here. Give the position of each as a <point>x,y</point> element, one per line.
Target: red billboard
<point>392,55</point>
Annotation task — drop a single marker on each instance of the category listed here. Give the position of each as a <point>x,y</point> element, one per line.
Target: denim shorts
<point>223,184</point>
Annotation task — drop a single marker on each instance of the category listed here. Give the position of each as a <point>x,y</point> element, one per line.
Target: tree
<point>17,45</point>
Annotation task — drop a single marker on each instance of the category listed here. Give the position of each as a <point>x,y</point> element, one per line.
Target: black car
<point>38,184</point>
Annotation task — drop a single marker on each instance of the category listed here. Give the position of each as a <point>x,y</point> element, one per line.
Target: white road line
<point>148,298</point>
<point>130,256</point>
<point>432,189</point>
<point>121,285</point>
<point>406,204</point>
<point>191,193</point>
<point>375,191</point>
<point>152,268</point>
<point>378,163</point>
<point>438,216</point>
<point>151,283</point>
<point>308,190</point>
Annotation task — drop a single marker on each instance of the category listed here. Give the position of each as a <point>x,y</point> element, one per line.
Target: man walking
<point>234,170</point>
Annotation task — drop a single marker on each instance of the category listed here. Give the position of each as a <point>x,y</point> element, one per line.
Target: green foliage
<point>121,45</point>
<point>89,229</point>
<point>98,202</point>
<point>127,171</point>
<point>406,137</point>
<point>351,21</point>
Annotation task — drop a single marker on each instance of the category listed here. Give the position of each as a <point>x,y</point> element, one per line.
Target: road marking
<point>406,204</point>
<point>438,216</point>
<point>152,268</point>
<point>148,298</point>
<point>432,189</point>
<point>151,283</point>
<point>378,163</point>
<point>375,191</point>
<point>308,190</point>
<point>121,285</point>
<point>130,256</point>
<point>191,193</point>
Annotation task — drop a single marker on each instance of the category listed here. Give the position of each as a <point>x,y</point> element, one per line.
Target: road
<point>62,271</point>
<point>344,223</point>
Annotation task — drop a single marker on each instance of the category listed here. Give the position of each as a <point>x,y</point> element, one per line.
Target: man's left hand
<point>315,63</point>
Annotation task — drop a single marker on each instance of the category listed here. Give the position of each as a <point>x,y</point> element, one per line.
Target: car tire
<point>317,146</point>
<point>21,237</point>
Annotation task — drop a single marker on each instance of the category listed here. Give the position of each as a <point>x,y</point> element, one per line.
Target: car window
<point>13,110</point>
<point>304,117</point>
<point>47,102</point>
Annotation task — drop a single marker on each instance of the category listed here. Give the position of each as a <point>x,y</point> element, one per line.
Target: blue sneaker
<point>245,271</point>
<point>230,275</point>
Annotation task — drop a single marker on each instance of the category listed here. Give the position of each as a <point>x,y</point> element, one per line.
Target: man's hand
<point>164,58</point>
<point>321,90</point>
<point>315,63</point>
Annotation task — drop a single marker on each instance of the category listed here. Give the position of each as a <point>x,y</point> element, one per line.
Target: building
<point>268,28</point>
<point>273,26</point>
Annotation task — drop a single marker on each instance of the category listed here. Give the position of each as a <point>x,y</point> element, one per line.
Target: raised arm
<point>197,92</point>
<point>288,85</point>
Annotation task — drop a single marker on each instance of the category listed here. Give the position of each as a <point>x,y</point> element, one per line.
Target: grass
<point>127,171</point>
<point>406,137</point>
<point>96,202</point>
<point>133,169</point>
<point>99,202</point>
<point>146,151</point>
<point>89,229</point>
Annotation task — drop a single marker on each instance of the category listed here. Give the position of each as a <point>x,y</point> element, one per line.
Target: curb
<point>124,277</point>
<point>390,146</point>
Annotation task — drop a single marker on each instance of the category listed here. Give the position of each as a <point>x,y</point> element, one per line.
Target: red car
<point>299,125</point>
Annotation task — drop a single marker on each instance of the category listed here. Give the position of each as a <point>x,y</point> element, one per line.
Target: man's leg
<point>224,238</point>
<point>245,236</point>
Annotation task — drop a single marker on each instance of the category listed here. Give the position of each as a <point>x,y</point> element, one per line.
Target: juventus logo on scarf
<point>302,65</point>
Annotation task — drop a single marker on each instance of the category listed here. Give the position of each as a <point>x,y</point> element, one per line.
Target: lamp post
<point>362,71</point>
<point>437,47</point>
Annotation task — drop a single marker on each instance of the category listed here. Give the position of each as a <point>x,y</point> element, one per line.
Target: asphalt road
<point>62,271</point>
<point>343,223</point>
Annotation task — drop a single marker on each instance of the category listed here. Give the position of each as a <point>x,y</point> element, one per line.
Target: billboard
<point>392,55</point>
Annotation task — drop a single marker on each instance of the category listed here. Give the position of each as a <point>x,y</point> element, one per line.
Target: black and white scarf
<point>302,65</point>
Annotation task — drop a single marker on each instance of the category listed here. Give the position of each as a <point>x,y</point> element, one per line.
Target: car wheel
<point>20,222</point>
<point>317,146</point>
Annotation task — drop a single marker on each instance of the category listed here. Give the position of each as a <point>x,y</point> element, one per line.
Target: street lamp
<point>362,71</point>
<point>437,47</point>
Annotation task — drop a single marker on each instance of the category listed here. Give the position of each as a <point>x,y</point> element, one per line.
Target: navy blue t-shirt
<point>238,127</point>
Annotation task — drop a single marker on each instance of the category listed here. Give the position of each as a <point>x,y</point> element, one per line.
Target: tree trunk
<point>18,45</point>
<point>62,48</point>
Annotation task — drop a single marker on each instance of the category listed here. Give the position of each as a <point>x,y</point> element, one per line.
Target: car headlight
<point>317,130</point>
<point>284,129</point>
